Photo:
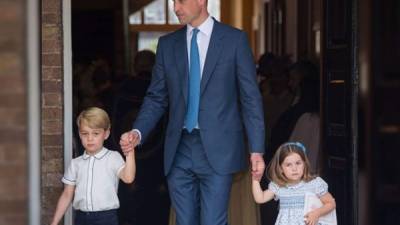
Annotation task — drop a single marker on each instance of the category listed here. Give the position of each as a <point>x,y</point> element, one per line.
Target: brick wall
<point>52,106</point>
<point>13,109</point>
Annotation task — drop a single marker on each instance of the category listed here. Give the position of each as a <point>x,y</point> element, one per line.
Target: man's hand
<point>128,141</point>
<point>257,165</point>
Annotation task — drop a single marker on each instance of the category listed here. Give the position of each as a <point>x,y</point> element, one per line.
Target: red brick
<point>53,193</point>
<point>52,140</point>
<point>10,12</point>
<point>51,6</point>
<point>52,153</point>
<point>14,100</point>
<point>15,169</point>
<point>52,180</point>
<point>51,33</point>
<point>12,136</point>
<point>52,127</point>
<point>13,152</point>
<point>10,64</point>
<point>53,46</point>
<point>52,107</point>
<point>9,44</point>
<point>51,59</point>
<point>51,73</point>
<point>13,189</point>
<point>52,86</point>
<point>15,218</point>
<point>51,18</point>
<point>53,166</point>
<point>54,113</point>
<point>12,84</point>
<point>11,206</point>
<point>12,117</point>
<point>52,99</point>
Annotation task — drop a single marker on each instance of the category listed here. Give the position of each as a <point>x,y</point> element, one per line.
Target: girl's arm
<point>128,173</point>
<point>328,205</point>
<point>259,195</point>
<point>63,203</point>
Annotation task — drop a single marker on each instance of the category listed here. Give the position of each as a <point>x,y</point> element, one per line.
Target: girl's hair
<point>275,172</point>
<point>95,118</point>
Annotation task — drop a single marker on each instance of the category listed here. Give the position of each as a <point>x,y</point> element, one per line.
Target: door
<point>339,105</point>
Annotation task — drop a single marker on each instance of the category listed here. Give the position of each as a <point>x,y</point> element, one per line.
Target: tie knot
<point>195,31</point>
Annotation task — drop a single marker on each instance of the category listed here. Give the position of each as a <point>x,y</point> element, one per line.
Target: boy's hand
<point>128,141</point>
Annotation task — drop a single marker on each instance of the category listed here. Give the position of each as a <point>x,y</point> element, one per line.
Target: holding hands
<point>257,166</point>
<point>129,140</point>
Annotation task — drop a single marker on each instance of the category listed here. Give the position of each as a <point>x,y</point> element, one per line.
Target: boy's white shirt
<point>96,180</point>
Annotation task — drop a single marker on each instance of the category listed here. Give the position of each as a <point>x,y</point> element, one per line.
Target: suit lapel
<point>181,60</point>
<point>213,52</point>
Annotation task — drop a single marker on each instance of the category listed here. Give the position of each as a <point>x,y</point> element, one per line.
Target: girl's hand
<point>311,218</point>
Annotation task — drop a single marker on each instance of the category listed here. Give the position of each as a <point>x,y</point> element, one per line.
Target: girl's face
<point>293,168</point>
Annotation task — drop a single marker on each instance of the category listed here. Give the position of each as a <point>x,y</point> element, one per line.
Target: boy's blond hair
<point>275,172</point>
<point>95,118</point>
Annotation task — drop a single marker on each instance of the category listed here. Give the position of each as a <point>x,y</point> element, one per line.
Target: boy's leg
<point>109,217</point>
<point>79,218</point>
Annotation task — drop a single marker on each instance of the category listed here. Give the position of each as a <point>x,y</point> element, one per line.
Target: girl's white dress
<point>291,199</point>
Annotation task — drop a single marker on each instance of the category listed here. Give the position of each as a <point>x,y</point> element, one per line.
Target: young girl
<point>289,172</point>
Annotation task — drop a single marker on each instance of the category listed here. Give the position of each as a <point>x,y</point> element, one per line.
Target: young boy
<point>91,180</point>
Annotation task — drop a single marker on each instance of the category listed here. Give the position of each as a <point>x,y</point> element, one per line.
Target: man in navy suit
<point>205,75</point>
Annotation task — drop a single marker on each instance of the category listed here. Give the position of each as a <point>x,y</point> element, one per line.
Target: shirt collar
<point>205,28</point>
<point>98,155</point>
<point>295,186</point>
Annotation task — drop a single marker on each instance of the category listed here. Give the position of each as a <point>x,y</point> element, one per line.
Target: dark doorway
<point>385,121</point>
<point>100,79</point>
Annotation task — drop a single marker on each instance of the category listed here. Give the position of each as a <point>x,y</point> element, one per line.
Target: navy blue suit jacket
<point>230,101</point>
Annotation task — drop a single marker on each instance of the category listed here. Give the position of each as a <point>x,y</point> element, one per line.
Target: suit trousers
<point>199,195</point>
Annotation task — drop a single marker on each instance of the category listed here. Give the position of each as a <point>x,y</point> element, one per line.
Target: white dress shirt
<point>203,40</point>
<point>95,178</point>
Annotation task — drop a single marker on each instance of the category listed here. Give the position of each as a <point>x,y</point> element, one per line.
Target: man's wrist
<point>139,134</point>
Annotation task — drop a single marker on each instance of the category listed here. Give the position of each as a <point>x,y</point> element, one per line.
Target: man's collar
<point>205,28</point>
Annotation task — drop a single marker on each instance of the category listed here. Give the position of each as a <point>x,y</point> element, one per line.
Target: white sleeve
<point>117,163</point>
<point>274,188</point>
<point>321,187</point>
<point>70,174</point>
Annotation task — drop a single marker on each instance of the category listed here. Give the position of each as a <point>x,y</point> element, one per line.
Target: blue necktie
<point>194,84</point>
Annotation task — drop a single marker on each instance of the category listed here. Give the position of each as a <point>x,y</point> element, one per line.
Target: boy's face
<point>92,139</point>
